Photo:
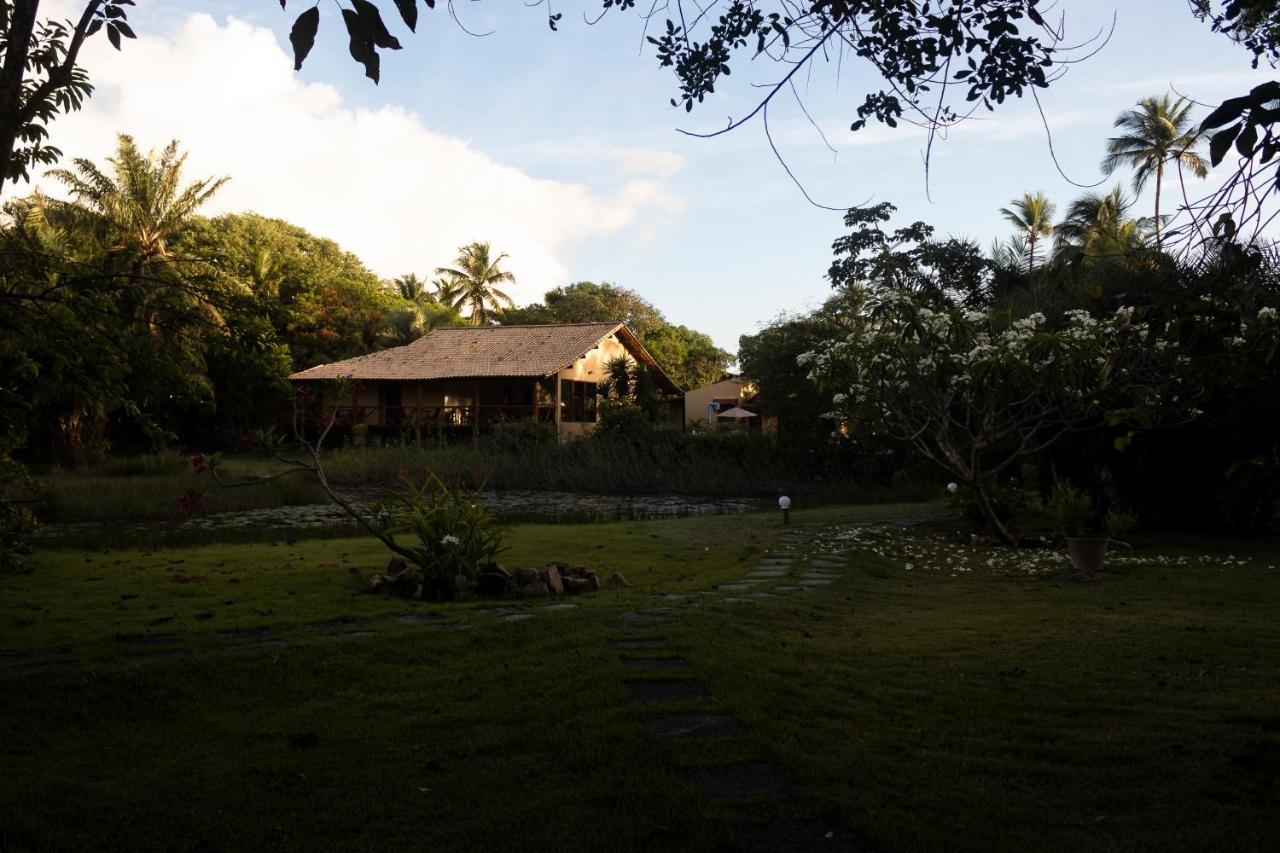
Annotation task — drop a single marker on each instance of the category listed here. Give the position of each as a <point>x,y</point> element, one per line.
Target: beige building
<point>469,378</point>
<point>733,392</point>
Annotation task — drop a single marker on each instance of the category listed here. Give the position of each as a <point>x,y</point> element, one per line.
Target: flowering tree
<point>975,393</point>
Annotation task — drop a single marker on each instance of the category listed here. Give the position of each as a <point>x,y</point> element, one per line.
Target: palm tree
<point>412,289</point>
<point>1098,226</point>
<point>447,291</point>
<point>1032,215</point>
<point>1157,133</point>
<point>137,209</point>
<point>132,213</point>
<point>476,273</point>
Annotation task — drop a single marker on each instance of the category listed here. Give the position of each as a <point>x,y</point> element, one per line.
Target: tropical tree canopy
<point>137,207</point>
<point>1158,133</point>
<point>1032,215</point>
<point>477,273</point>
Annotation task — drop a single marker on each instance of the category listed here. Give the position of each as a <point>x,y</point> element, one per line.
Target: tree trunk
<point>1159,182</point>
<point>989,515</point>
<point>22,23</point>
<point>1031,254</point>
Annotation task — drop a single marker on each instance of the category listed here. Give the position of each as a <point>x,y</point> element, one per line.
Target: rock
<point>576,585</point>
<point>535,588</point>
<point>616,581</point>
<point>526,576</point>
<point>551,577</point>
<point>497,569</point>
<point>492,584</point>
<point>395,566</point>
<point>593,580</point>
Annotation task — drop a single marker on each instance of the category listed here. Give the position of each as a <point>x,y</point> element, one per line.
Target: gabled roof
<point>475,352</point>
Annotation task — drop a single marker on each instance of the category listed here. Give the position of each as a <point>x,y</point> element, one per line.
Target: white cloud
<point>401,196</point>
<point>646,161</point>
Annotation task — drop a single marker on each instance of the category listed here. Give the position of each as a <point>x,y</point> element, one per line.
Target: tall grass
<point>98,497</point>
<point>652,462</point>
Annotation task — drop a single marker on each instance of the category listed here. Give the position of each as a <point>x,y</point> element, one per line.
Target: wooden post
<point>557,381</point>
<point>475,414</point>
<point>417,415</point>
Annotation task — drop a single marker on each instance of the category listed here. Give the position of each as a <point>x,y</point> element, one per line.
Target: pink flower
<point>197,462</point>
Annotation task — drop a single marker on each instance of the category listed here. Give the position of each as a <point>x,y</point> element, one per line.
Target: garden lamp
<point>784,504</point>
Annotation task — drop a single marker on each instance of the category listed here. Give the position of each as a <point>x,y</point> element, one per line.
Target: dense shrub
<point>456,534</point>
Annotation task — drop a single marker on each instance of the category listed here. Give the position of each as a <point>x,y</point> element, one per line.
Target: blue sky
<point>711,231</point>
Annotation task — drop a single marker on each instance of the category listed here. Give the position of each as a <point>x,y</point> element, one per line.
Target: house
<point>707,404</point>
<point>469,378</point>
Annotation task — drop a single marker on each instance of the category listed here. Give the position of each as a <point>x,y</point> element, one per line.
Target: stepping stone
<point>19,670</point>
<point>517,617</point>
<point>741,781</point>
<point>828,576</point>
<point>419,618</point>
<point>670,596</point>
<point>146,639</point>
<point>740,586</point>
<point>796,838</point>
<point>815,582</point>
<point>639,618</point>
<point>629,629</point>
<point>729,600</point>
<point>559,606</point>
<point>762,595</point>
<point>157,657</point>
<point>244,634</point>
<point>654,663</point>
<point>663,610</point>
<point>638,642</point>
<point>785,589</point>
<point>337,626</point>
<point>775,563</point>
<point>696,726</point>
<point>253,648</point>
<point>44,651</point>
<point>450,626</point>
<point>766,573</point>
<point>668,691</point>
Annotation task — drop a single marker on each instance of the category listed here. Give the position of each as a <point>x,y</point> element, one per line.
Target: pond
<point>510,506</point>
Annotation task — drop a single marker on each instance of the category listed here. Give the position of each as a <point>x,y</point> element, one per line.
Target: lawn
<point>930,697</point>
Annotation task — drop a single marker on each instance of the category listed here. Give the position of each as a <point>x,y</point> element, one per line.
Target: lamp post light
<point>953,488</point>
<point>784,504</point>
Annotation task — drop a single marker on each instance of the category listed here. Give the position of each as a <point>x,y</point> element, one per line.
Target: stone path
<point>681,710</point>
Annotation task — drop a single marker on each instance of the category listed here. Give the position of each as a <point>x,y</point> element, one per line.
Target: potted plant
<point>1072,514</point>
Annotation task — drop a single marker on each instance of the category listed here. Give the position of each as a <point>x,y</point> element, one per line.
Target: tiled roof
<point>477,351</point>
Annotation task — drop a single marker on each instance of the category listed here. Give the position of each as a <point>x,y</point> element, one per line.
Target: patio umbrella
<point>737,413</point>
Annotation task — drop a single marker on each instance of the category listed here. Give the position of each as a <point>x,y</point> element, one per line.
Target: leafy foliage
<point>17,521</point>
<point>455,532</point>
<point>1070,510</point>
<point>908,260</point>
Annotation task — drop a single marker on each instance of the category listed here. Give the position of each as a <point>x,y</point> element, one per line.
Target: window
<point>577,401</point>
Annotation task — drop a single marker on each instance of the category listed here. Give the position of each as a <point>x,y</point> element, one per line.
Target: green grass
<point>979,701</point>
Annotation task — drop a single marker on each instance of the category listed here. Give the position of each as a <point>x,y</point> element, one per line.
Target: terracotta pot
<point>1087,554</point>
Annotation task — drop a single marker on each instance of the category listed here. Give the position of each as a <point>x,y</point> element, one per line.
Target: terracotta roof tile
<point>474,352</point>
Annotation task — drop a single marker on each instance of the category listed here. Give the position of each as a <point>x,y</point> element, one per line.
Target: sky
<point>562,148</point>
